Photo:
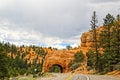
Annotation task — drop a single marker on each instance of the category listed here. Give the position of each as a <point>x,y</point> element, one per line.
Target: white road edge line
<point>87,77</point>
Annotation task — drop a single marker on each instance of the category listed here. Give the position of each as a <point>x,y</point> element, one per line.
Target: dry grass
<point>114,73</point>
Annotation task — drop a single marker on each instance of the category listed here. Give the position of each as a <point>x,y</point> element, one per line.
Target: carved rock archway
<point>56,66</point>
<point>61,58</point>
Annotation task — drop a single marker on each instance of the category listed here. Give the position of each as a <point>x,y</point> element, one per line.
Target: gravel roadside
<point>56,76</point>
<point>102,77</point>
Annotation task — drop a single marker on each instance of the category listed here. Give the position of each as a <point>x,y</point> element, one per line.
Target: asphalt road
<point>70,76</point>
<point>79,77</point>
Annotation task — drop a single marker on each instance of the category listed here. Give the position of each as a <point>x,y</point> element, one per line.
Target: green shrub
<point>75,66</point>
<point>22,71</point>
<point>117,66</point>
<point>91,59</point>
<point>78,58</point>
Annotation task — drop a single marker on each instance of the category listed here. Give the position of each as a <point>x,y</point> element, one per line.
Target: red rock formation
<point>60,57</point>
<point>87,41</point>
<point>63,57</point>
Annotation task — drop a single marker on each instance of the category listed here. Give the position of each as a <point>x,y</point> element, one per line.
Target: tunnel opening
<point>56,68</point>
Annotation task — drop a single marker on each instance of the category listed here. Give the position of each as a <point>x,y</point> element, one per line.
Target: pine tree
<point>94,22</point>
<point>106,42</point>
<point>91,57</point>
<point>115,41</point>
<point>3,63</point>
<point>117,31</point>
<point>106,35</point>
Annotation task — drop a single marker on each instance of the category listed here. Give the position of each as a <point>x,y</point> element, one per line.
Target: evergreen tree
<point>79,56</point>
<point>91,58</point>
<point>3,66</point>
<point>94,22</point>
<point>78,59</point>
<point>116,32</point>
<point>13,50</point>
<point>106,33</point>
<point>68,47</point>
<point>115,41</point>
<point>106,42</point>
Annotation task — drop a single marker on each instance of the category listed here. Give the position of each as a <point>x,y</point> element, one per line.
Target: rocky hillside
<point>63,57</point>
<point>87,41</point>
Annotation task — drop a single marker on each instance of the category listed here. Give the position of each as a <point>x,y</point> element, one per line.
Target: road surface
<point>70,76</point>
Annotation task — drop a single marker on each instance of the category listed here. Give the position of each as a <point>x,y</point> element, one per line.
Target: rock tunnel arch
<point>56,68</point>
<point>63,65</point>
<point>59,58</point>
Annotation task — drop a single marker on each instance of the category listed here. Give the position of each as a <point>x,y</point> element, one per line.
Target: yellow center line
<point>69,77</point>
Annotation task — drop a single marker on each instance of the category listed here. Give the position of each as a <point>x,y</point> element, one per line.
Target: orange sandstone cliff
<point>63,57</point>
<point>87,41</point>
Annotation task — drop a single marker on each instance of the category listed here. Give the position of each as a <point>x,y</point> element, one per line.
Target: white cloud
<point>20,37</point>
<point>5,3</point>
<point>50,22</point>
<point>105,1</point>
<point>103,9</point>
<point>60,16</point>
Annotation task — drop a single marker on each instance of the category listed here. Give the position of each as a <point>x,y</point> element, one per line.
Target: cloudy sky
<point>55,23</point>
